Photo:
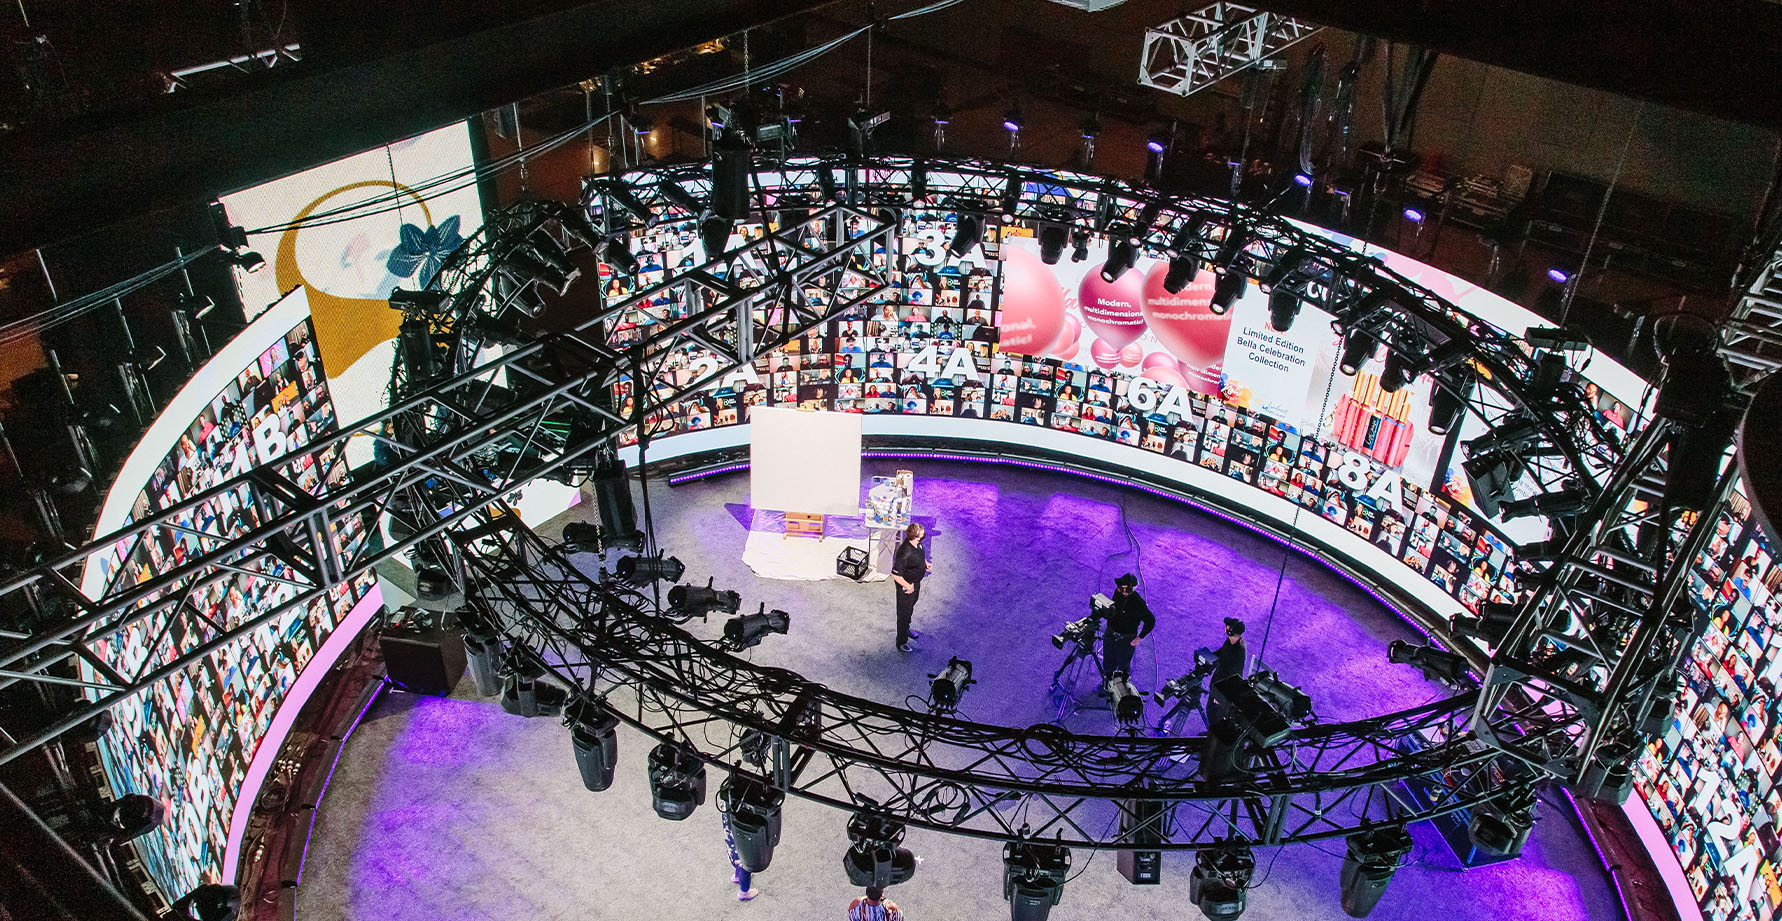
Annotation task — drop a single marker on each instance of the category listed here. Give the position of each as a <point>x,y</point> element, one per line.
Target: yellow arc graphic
<point>346,327</point>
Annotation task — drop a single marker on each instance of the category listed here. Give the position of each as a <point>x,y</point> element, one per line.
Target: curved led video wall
<point>203,740</point>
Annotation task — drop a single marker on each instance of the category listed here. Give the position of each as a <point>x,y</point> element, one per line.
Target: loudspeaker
<point>423,660</point>
<point>1141,822</point>
<point>612,495</point>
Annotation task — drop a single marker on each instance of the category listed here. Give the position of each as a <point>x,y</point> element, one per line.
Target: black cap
<point>1128,580</point>
<point>1233,625</point>
<point>875,893</point>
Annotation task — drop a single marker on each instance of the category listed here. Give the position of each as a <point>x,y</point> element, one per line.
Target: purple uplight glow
<point>1116,481</point>
<point>1008,123</point>
<point>1614,878</point>
<point>1303,180</point>
<point>340,747</point>
<point>1154,146</point>
<point>1560,276</point>
<point>1413,215</point>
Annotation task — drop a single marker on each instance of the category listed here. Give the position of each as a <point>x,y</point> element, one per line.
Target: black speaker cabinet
<point>423,660</point>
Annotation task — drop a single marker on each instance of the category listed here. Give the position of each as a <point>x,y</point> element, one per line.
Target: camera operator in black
<point>1230,659</point>
<point>1127,622</point>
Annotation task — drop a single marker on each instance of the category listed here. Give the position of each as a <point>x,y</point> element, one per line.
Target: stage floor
<point>451,808</point>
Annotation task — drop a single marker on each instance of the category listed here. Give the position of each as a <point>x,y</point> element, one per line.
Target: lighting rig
<point>463,442</point>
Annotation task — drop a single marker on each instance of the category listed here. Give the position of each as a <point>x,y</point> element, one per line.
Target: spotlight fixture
<point>677,781</point>
<point>1437,665</point>
<point>1237,237</point>
<point>690,601</point>
<point>754,807</point>
<point>1186,241</point>
<point>748,630</point>
<point>946,688</point>
<point>1158,142</point>
<point>1147,217</point>
<point>618,255</point>
<point>1181,271</point>
<point>583,537</point>
<point>1226,288</point>
<point>1397,372</point>
<point>1255,716</point>
<point>1447,400</point>
<point>594,739</point>
<point>1289,700</point>
<point>248,261</point>
<point>1012,120</point>
<point>1303,180</point>
<point>133,815</point>
<point>1033,876</point>
<point>1414,215</point>
<point>1120,258</point>
<point>1559,275</point>
<point>1501,827</point>
<point>1374,855</point>
<point>1221,876</point>
<point>1569,500</point>
<point>1283,307</point>
<point>640,570</point>
<point>1490,625</point>
<point>1128,704</point>
<point>1608,778</point>
<point>1011,198</point>
<point>1490,476</point>
<point>967,233</point>
<point>1359,345</point>
<point>1079,242</point>
<point>1285,268</point>
<point>875,855</point>
<point>524,693</point>
<point>625,198</point>
<point>1052,238</point>
<point>209,902</point>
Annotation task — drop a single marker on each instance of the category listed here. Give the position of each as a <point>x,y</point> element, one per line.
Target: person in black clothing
<point>1129,621</point>
<point>1230,659</point>
<point>908,567</point>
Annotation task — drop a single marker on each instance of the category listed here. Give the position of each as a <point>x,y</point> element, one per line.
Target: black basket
<point>851,563</point>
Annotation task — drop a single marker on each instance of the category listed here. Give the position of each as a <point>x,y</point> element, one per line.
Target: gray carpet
<point>450,808</point>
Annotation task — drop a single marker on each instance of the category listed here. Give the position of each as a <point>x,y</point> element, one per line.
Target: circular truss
<point>613,649</point>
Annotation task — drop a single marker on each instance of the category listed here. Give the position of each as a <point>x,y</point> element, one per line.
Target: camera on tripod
<point>1080,632</point>
<point>1188,686</point>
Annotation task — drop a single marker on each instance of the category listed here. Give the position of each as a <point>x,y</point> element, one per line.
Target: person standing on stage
<point>1127,622</point>
<point>874,907</point>
<point>908,567</point>
<point>1230,659</point>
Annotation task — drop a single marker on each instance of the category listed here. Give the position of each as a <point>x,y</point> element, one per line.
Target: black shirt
<point>1130,616</point>
<point>910,563</point>
<point>1230,657</point>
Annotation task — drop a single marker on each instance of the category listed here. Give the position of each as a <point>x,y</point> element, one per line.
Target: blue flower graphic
<point>422,252</point>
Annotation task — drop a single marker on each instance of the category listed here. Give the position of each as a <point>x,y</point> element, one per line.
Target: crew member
<point>908,567</point>
<point>1229,659</point>
<point>1129,621</point>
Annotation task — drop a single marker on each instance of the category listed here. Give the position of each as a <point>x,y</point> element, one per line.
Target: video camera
<point>1188,686</point>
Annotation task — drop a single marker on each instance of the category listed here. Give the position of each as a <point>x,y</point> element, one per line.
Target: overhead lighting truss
<point>1199,49</point>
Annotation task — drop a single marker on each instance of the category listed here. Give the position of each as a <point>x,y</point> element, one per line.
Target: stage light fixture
<point>1237,237</point>
<point>1120,258</point>
<point>701,601</point>
<point>1181,271</point>
<point>1696,455</point>
<point>1011,198</point>
<point>677,781</point>
<point>714,234</point>
<point>1287,699</point>
<point>209,902</point>
<point>1437,665</point>
<point>1146,220</point>
<point>618,255</point>
<point>875,856</point>
<point>1227,286</point>
<point>525,693</point>
<point>1397,372</point>
<point>1490,476</point>
<point>1285,268</point>
<point>1052,238</point>
<point>248,261</point>
<point>1255,717</point>
<point>1511,433</point>
<point>132,816</point>
<point>967,233</point>
<point>1414,215</point>
<point>1079,242</point>
<point>1608,778</point>
<point>628,200</point>
<point>754,807</point>
<point>1359,345</point>
<point>1501,826</point>
<point>1013,121</point>
<point>1559,275</point>
<point>1303,180</point>
<point>483,654</point>
<point>583,537</point>
<point>1373,856</point>
<point>640,570</point>
<point>943,117</point>
<point>1186,241</point>
<point>593,736</point>
<point>1569,500</point>
<point>826,182</point>
<point>1220,878</point>
<point>1033,876</point>
<point>641,124</point>
<point>1158,142</point>
<point>1127,703</point>
<point>524,267</point>
<point>1447,400</point>
<point>947,688</point>
<point>748,630</point>
<point>1283,307</point>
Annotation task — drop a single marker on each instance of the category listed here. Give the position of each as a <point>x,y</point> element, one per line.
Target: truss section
<point>1199,49</point>
<point>463,441</point>
<point>610,647</point>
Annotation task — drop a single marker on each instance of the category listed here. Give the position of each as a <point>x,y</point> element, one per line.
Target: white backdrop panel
<point>804,461</point>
